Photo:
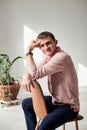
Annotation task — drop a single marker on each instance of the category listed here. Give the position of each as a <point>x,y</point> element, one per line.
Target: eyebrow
<point>47,42</point>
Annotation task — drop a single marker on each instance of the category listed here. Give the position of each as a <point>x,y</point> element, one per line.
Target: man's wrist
<point>29,53</point>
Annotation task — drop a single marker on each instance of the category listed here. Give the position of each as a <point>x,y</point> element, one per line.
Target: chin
<point>48,53</point>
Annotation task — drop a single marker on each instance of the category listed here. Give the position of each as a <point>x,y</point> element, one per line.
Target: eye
<point>42,45</point>
<point>48,43</point>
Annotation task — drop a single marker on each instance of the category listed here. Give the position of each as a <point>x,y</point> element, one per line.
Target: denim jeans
<point>57,114</point>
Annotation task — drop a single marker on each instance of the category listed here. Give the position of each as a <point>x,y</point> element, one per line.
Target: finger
<point>35,82</point>
<point>38,44</point>
<point>28,88</point>
<point>24,87</point>
<point>32,84</point>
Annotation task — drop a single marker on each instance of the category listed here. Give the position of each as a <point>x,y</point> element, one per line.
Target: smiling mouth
<point>47,51</point>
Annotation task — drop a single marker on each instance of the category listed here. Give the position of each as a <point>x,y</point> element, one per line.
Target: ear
<point>56,41</point>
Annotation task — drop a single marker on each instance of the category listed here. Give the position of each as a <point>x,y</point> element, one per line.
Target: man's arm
<point>32,45</point>
<point>27,79</point>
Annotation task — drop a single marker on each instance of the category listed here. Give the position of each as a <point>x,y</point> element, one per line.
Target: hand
<point>27,82</point>
<point>32,45</point>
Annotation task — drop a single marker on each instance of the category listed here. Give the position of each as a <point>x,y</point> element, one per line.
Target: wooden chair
<point>38,102</point>
<point>40,106</point>
<point>79,117</point>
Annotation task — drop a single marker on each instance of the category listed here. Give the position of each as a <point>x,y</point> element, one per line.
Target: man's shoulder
<point>62,53</point>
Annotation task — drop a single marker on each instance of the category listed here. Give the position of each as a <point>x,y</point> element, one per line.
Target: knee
<point>45,125</point>
<point>26,103</point>
<point>42,126</point>
<point>23,103</point>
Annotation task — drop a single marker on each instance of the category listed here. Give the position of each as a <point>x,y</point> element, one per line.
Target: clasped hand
<point>27,82</point>
<point>32,45</point>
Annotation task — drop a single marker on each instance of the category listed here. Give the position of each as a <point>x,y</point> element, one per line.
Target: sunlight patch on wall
<point>29,35</point>
<point>82,75</point>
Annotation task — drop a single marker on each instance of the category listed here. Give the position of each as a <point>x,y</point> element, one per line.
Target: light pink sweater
<point>62,78</point>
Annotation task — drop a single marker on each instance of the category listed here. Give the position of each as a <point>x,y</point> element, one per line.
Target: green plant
<point>5,67</point>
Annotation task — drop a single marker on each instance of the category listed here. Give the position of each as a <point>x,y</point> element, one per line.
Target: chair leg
<point>37,125</point>
<point>63,126</point>
<point>76,124</point>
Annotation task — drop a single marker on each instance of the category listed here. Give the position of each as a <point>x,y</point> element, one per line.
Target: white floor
<point>12,118</point>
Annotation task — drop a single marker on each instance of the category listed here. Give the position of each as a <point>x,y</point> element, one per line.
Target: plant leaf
<point>16,59</point>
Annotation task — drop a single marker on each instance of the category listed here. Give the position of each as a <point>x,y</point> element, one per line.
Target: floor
<point>12,117</point>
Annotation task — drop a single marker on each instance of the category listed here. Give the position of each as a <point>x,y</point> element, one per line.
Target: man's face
<point>47,45</point>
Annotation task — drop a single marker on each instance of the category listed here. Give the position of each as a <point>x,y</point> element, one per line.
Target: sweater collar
<point>56,51</point>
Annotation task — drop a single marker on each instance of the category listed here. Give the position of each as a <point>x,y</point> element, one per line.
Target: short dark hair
<point>45,34</point>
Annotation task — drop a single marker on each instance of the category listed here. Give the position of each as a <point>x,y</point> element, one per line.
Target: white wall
<point>2,28</point>
<point>67,19</point>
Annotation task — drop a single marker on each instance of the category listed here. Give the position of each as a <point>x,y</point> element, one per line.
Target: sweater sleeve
<point>56,64</point>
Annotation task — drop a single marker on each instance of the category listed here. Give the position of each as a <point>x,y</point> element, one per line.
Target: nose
<point>45,47</point>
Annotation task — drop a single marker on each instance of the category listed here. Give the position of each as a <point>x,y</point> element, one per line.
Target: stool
<point>79,117</point>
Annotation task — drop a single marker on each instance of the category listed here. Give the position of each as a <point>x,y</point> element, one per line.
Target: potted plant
<point>9,86</point>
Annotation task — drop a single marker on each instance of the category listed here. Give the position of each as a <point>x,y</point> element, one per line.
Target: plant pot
<point>9,92</point>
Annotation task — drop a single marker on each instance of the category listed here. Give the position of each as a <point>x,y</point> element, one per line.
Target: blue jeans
<point>57,114</point>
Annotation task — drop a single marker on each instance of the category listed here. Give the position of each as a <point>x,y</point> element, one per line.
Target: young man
<point>63,104</point>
